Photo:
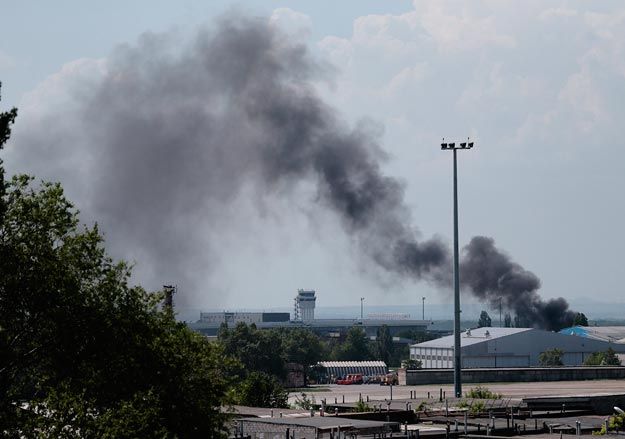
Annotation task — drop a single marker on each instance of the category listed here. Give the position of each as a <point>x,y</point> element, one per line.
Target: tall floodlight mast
<point>457,357</point>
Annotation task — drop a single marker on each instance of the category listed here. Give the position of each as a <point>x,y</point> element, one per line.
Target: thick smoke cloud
<point>491,276</point>
<point>173,132</point>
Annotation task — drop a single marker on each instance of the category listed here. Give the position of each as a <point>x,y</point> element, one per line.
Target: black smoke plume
<point>171,132</point>
<point>492,276</point>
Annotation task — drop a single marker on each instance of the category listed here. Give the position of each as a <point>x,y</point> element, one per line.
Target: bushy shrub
<point>480,392</point>
<point>362,406</point>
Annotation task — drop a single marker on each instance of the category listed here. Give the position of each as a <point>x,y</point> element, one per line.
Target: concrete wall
<point>501,375</point>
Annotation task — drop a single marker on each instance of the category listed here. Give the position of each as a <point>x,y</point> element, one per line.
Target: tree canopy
<point>83,353</point>
<point>607,358</point>
<point>551,357</point>
<point>484,321</point>
<point>356,346</point>
<point>384,344</point>
<point>507,320</point>
<point>580,319</point>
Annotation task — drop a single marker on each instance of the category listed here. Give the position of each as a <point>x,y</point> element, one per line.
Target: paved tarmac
<point>509,390</point>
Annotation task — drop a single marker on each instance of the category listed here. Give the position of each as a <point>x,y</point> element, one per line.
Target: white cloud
<point>57,94</point>
<point>407,77</point>
<point>292,22</point>
<point>59,88</point>
<point>6,61</point>
<point>543,88</point>
<point>582,98</point>
<point>463,31</point>
<point>552,13</point>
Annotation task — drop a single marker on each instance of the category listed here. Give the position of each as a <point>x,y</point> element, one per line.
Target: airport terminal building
<point>304,317</point>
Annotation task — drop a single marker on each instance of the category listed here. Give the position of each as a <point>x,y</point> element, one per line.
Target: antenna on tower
<point>305,305</point>
<point>296,310</point>
<point>168,301</point>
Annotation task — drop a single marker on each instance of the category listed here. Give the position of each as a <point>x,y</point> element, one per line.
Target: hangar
<point>614,334</point>
<point>507,347</point>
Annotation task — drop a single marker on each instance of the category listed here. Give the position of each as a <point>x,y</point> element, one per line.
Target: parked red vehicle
<point>352,378</point>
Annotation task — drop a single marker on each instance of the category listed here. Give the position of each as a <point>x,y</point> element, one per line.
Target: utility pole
<point>457,356</point>
<point>500,324</point>
<point>423,308</point>
<point>361,300</point>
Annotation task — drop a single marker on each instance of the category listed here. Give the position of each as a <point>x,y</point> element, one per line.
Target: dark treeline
<point>269,350</point>
<point>83,353</point>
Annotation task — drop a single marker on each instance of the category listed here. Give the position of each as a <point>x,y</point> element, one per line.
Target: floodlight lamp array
<point>452,145</point>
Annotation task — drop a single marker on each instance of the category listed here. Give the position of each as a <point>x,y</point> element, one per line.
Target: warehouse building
<point>612,334</point>
<point>507,347</point>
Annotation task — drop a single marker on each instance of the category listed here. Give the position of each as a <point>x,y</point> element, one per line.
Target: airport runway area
<point>508,390</point>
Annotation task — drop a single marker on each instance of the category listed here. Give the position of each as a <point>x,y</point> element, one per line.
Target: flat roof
<point>352,363</point>
<point>614,334</point>
<point>477,335</point>
<point>323,422</point>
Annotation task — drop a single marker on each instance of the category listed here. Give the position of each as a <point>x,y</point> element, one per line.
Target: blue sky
<point>539,85</point>
<point>38,37</point>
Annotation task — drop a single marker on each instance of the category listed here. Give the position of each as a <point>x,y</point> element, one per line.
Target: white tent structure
<point>342,368</point>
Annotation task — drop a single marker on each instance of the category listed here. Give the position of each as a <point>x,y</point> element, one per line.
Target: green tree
<point>256,349</point>
<point>610,358</point>
<point>594,359</point>
<point>607,358</point>
<point>92,356</point>
<point>384,344</point>
<point>411,364</point>
<point>507,320</point>
<point>417,336</point>
<point>302,346</point>
<point>401,352</point>
<point>260,389</point>
<point>261,359</point>
<point>521,322</point>
<point>484,321</point>
<point>552,357</point>
<point>355,347</point>
<point>580,319</point>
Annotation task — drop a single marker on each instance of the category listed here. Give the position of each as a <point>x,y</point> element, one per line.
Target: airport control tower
<point>305,305</point>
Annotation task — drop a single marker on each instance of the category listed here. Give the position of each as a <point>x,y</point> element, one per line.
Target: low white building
<point>507,347</point>
<point>342,368</point>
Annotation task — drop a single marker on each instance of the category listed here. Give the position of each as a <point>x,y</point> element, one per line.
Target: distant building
<point>209,324</point>
<point>232,318</point>
<point>304,317</point>
<point>507,347</point>
<point>305,305</point>
<point>612,334</point>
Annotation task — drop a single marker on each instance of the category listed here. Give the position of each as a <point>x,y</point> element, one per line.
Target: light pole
<point>423,308</point>
<point>457,358</point>
<point>361,300</point>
